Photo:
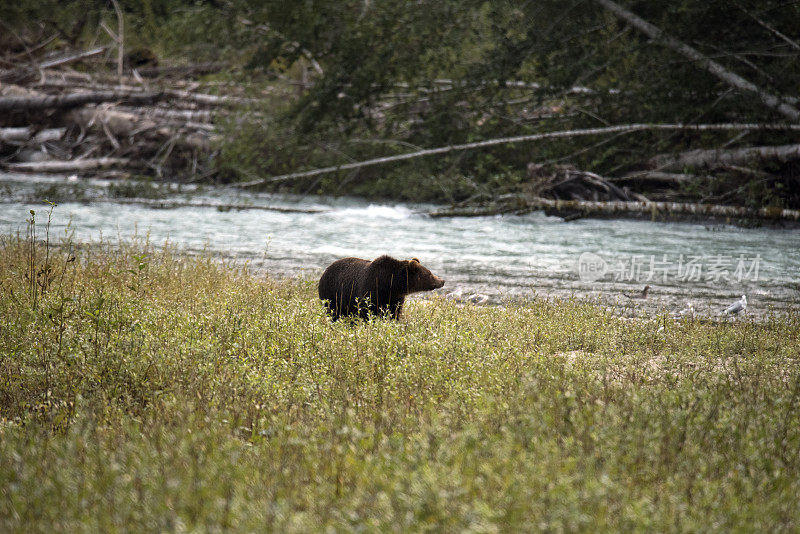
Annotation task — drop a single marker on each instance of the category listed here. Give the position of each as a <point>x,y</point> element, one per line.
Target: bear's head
<point>420,278</point>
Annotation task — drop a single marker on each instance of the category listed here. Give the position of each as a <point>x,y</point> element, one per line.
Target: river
<point>503,257</point>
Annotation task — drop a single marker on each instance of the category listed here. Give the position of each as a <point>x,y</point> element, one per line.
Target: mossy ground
<point>145,390</point>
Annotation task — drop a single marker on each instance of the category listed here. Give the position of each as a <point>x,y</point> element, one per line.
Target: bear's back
<point>340,284</point>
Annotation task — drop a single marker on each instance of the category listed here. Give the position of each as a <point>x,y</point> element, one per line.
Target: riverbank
<point>513,258</point>
<point>207,123</point>
<point>148,390</point>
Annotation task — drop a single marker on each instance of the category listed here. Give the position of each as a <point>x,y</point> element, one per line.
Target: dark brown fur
<point>352,286</point>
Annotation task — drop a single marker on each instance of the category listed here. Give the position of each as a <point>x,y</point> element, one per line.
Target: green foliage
<point>381,61</point>
<point>376,77</point>
<point>145,390</point>
<point>33,19</point>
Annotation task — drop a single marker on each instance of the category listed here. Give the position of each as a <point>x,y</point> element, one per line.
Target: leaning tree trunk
<point>710,65</point>
<point>622,128</point>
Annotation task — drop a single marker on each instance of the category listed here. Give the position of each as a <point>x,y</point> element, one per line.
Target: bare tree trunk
<point>26,134</point>
<point>710,65</point>
<point>15,135</point>
<point>625,128</point>
<point>717,157</point>
<point>88,164</point>
<point>27,103</point>
<point>654,210</point>
<point>173,203</point>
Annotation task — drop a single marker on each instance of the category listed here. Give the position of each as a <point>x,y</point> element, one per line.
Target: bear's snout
<point>437,282</point>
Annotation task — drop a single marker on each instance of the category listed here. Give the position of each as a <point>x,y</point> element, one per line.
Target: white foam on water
<point>375,211</point>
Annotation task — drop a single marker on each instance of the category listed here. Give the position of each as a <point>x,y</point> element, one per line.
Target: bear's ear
<point>415,259</point>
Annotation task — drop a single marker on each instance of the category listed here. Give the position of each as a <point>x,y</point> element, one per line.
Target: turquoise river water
<point>503,257</point>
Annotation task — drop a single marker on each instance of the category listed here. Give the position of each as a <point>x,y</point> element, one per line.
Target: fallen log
<point>221,206</point>
<point>126,124</point>
<point>572,209</point>
<point>211,100</point>
<point>12,90</point>
<point>622,128</point>
<point>118,123</point>
<point>128,93</point>
<point>723,157</point>
<point>28,72</point>
<point>15,135</point>
<point>88,164</point>
<point>187,115</point>
<point>39,102</point>
<point>26,134</point>
<point>199,141</point>
<point>68,81</point>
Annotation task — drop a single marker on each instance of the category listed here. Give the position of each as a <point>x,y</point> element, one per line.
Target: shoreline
<point>565,210</point>
<point>660,304</point>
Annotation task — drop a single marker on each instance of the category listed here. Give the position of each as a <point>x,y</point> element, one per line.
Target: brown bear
<point>352,286</point>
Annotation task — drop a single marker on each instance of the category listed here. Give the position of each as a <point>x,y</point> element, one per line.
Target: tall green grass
<point>146,390</point>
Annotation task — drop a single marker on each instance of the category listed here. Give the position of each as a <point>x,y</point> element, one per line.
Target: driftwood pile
<point>56,119</point>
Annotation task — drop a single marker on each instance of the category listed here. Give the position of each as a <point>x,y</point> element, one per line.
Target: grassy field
<point>145,390</point>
